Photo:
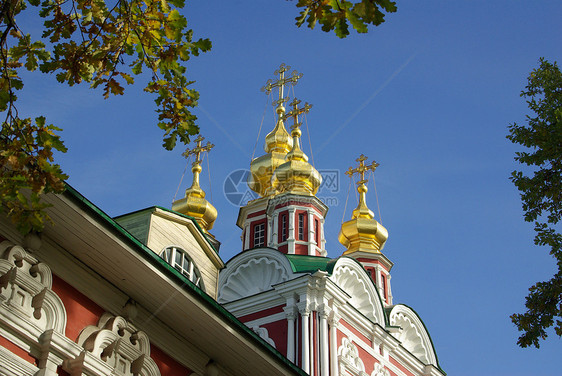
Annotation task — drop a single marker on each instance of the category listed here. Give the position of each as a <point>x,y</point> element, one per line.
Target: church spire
<point>194,203</point>
<point>362,233</point>
<point>296,175</point>
<point>278,142</point>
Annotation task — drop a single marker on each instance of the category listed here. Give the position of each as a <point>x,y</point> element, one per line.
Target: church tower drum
<point>288,216</point>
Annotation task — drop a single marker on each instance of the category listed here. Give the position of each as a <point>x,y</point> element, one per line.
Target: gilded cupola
<point>296,175</point>
<point>362,233</point>
<point>194,203</point>
<point>278,142</point>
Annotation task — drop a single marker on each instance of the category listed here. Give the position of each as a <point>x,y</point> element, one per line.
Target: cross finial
<point>296,111</point>
<point>362,168</point>
<point>198,149</point>
<point>280,83</point>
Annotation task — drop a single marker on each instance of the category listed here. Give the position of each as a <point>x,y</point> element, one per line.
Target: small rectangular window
<point>301,226</point>
<point>385,294</point>
<point>316,232</point>
<point>284,227</point>
<point>259,235</point>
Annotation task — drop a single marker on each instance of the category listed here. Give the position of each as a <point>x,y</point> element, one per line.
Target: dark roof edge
<point>184,283</point>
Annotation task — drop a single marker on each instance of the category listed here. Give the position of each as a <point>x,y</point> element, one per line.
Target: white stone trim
<point>111,299</point>
<point>252,272</point>
<point>350,276</point>
<point>380,370</point>
<point>13,365</point>
<point>118,343</point>
<point>27,289</point>
<point>348,358</point>
<point>266,320</point>
<point>264,334</point>
<point>413,335</point>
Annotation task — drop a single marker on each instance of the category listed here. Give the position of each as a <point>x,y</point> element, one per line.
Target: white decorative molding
<point>31,314</point>
<point>266,320</point>
<point>413,335</point>
<point>352,278</point>
<point>123,348</point>
<point>380,370</point>
<point>349,361</point>
<point>25,290</point>
<point>252,272</point>
<point>13,365</point>
<point>264,334</point>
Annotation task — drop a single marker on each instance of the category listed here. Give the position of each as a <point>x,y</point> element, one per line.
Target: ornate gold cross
<point>296,111</point>
<point>280,83</point>
<point>198,149</point>
<point>362,168</point>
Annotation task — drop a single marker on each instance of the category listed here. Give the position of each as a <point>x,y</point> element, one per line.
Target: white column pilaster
<point>291,314</point>
<point>323,239</point>
<point>247,237</point>
<point>273,231</point>
<point>312,342</point>
<point>48,361</point>
<point>311,241</point>
<point>305,329</point>
<point>324,342</point>
<point>291,236</point>
<point>389,290</point>
<point>334,322</point>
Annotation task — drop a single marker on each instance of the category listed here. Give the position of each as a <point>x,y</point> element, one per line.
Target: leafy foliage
<point>107,44</point>
<point>335,14</point>
<point>541,195</point>
<point>100,43</point>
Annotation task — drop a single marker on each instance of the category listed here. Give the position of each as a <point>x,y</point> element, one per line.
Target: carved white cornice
<point>413,335</point>
<point>288,197</point>
<point>119,344</point>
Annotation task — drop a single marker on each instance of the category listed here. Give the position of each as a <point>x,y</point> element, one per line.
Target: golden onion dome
<point>194,203</point>
<point>296,175</point>
<point>278,139</point>
<point>277,144</point>
<point>362,233</point>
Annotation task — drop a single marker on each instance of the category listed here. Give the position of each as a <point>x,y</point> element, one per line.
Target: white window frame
<point>259,235</point>
<point>284,226</point>
<point>178,259</point>
<point>301,226</point>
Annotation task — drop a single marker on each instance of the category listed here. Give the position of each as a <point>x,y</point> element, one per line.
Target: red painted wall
<point>167,365</point>
<point>301,249</point>
<point>305,225</point>
<point>356,332</point>
<point>81,312</point>
<point>368,359</point>
<point>282,215</point>
<point>16,350</point>
<point>278,333</point>
<point>260,314</point>
<point>364,260</point>
<point>400,366</point>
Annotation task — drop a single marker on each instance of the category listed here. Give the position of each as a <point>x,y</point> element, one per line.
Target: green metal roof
<point>311,264</point>
<point>182,281</point>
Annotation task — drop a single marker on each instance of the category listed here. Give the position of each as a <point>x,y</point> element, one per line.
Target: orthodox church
<point>147,293</point>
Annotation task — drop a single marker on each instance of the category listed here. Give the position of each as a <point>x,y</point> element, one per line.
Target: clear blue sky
<point>429,95</point>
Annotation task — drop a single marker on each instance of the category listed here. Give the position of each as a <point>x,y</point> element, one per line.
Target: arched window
<point>181,261</point>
